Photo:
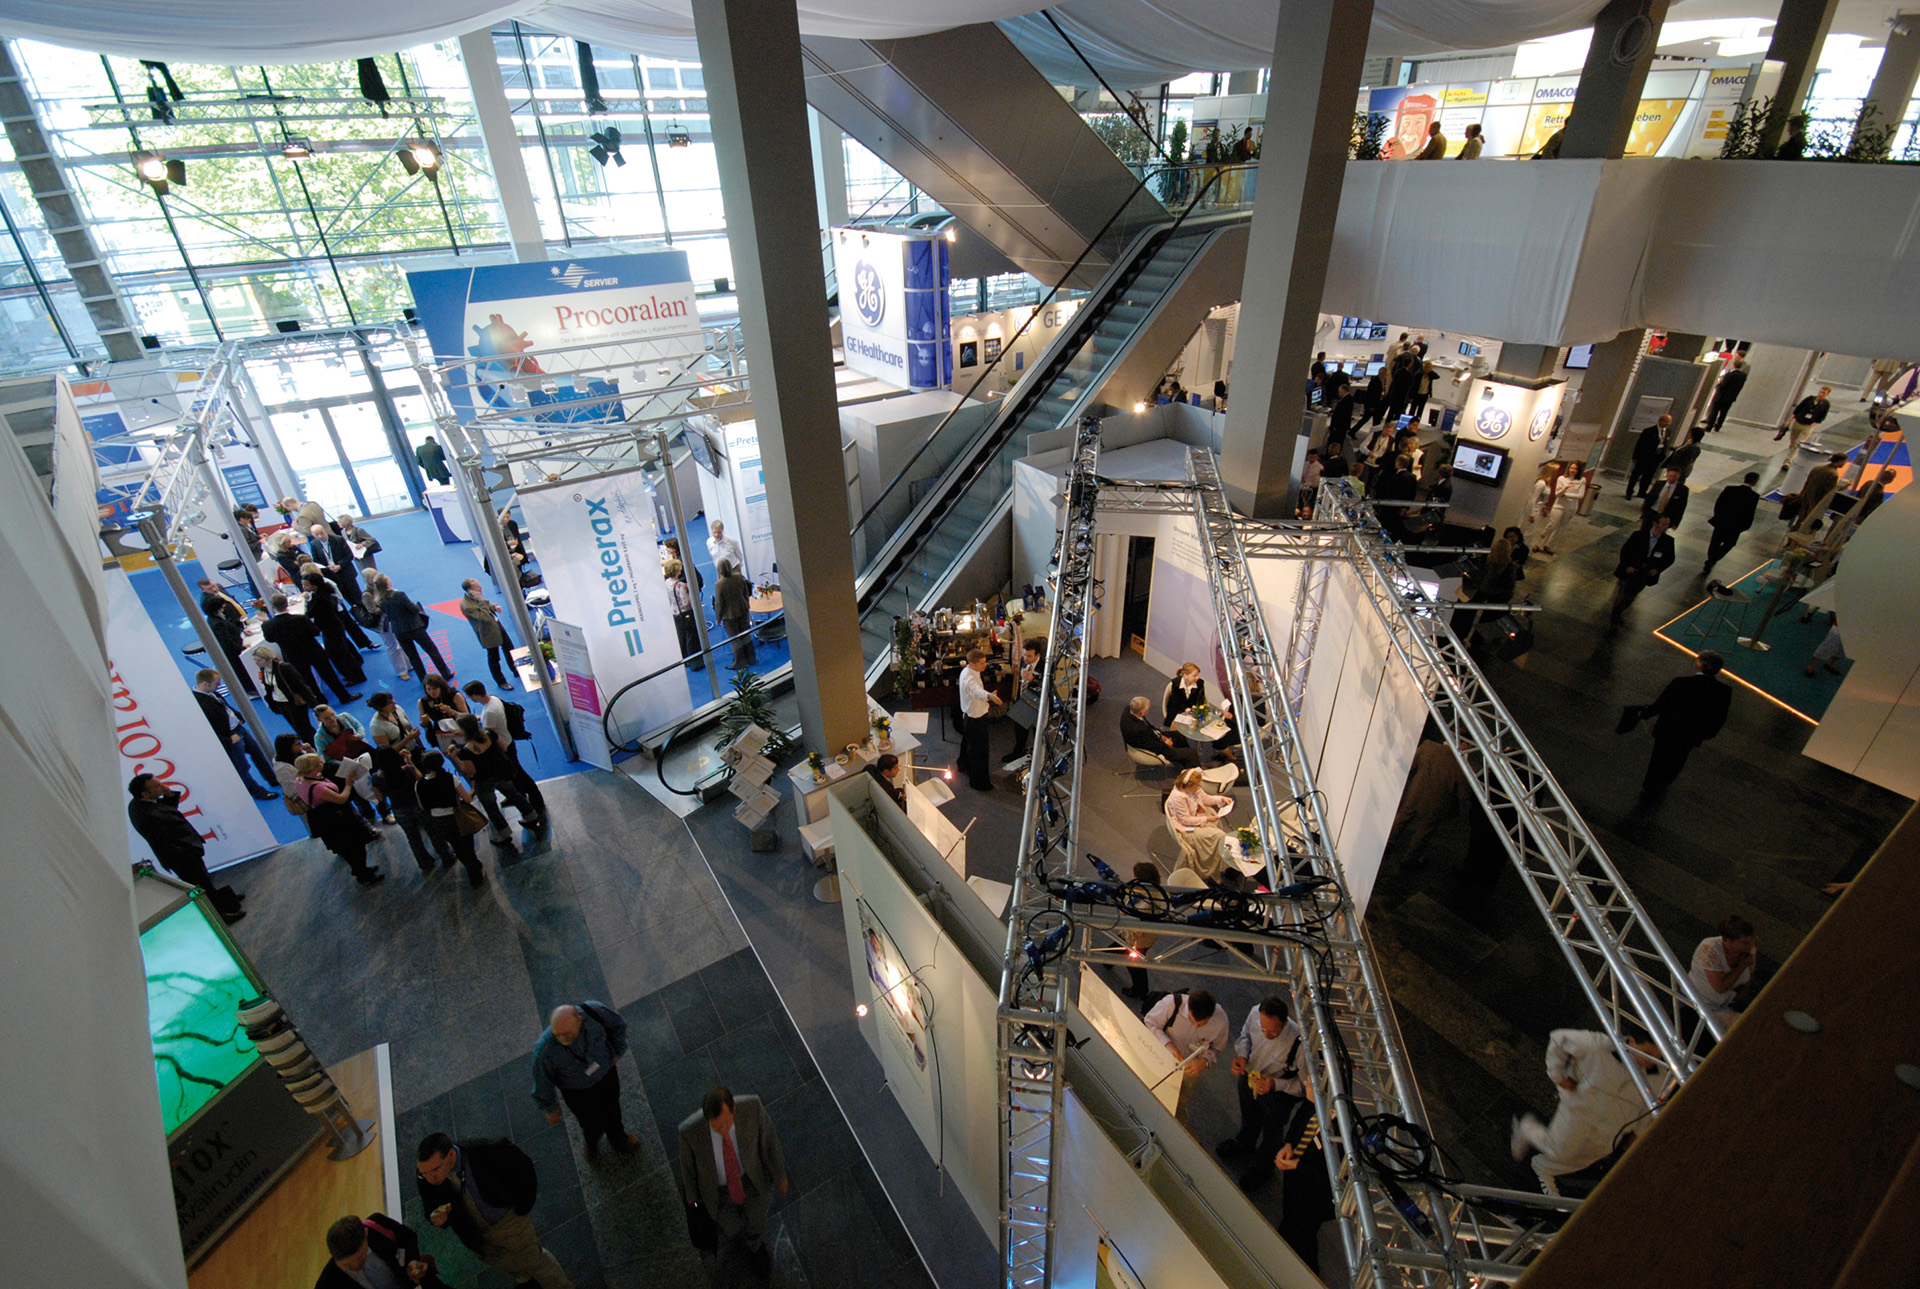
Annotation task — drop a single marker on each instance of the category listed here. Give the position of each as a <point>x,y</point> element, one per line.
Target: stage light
<point>606,146</point>
<point>419,158</point>
<point>678,138</point>
<point>296,149</point>
<point>1134,954</point>
<point>159,173</point>
<point>860,1010</point>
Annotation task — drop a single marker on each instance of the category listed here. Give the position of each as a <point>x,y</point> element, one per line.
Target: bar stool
<point>234,581</point>
<point>1712,623</point>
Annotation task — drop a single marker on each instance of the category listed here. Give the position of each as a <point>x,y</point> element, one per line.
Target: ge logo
<point>1494,422</point>
<point>1541,420</point>
<point>869,299</point>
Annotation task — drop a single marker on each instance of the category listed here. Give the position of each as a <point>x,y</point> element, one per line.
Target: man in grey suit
<point>730,1162</point>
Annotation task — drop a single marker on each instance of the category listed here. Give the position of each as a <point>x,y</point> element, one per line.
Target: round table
<point>1185,726</point>
<point>761,606</point>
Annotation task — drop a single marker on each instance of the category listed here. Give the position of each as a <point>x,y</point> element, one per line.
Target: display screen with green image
<point>195,985</point>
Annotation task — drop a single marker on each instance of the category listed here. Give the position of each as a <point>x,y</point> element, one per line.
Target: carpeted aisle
<point>1777,673</point>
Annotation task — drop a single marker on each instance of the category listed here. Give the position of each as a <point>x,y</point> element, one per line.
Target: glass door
<point>369,455</point>
<point>312,449</point>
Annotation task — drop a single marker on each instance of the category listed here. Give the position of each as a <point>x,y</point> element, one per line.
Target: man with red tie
<point>730,1163</point>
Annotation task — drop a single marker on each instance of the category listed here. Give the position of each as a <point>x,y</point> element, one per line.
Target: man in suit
<point>1137,731</point>
<point>235,738</point>
<point>730,1163</point>
<point>1726,392</point>
<point>228,622</point>
<point>303,647</point>
<point>484,1188</point>
<point>1688,712</point>
<point>1644,556</point>
<point>577,1058</point>
<point>1687,455</point>
<point>1397,485</point>
<point>375,1251</point>
<point>155,814</point>
<point>1817,493</point>
<point>1648,452</point>
<point>330,551</point>
<point>1733,512</point>
<point>1667,500</point>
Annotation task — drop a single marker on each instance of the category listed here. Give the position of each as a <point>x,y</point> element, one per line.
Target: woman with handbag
<point>331,817</point>
<point>287,692</point>
<point>484,762</point>
<point>288,749</point>
<point>451,817</point>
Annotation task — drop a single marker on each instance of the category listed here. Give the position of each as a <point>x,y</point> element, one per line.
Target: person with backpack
<point>506,720</point>
<point>330,815</point>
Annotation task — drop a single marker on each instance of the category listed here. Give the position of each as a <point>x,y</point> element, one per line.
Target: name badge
<point>593,1069</point>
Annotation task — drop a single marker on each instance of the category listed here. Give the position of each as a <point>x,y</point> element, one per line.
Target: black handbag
<point>702,1230</point>
<point>1630,717</point>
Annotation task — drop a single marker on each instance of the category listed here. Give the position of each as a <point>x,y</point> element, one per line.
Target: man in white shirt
<point>492,713</point>
<point>976,703</point>
<point>1266,1068</point>
<point>722,547</point>
<point>1722,968</point>
<point>1597,1100</point>
<point>1194,1029</point>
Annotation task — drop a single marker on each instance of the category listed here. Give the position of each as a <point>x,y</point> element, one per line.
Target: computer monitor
<point>1479,461</point>
<point>1580,357</point>
<point>1375,368</point>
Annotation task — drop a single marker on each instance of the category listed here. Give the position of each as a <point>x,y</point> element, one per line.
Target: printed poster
<point>896,995</point>
<point>584,706</point>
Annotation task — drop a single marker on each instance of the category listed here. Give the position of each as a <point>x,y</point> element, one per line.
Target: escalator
<point>974,487</point>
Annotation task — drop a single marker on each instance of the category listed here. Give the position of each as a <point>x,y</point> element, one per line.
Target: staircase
<point>975,488</point>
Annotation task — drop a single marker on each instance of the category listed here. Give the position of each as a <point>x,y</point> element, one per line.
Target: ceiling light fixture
<point>606,147</point>
<point>296,149</point>
<point>159,173</point>
<point>420,158</point>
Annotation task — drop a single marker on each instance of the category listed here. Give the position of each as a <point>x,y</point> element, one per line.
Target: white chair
<point>1140,756</point>
<point>1221,777</point>
<point>1186,879</point>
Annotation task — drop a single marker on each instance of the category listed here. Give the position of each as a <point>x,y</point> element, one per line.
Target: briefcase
<point>702,1230</point>
<point>1630,717</point>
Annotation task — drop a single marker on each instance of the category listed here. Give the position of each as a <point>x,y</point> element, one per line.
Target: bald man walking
<point>577,1056</point>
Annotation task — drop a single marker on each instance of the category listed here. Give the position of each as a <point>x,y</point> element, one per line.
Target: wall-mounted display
<point>895,319</point>
<point>1480,461</point>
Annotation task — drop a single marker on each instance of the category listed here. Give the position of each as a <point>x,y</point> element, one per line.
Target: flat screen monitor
<point>195,984</point>
<point>1479,462</point>
<point>1580,357</point>
<point>701,450</point>
<point>1313,394</point>
<point>1374,369</point>
<point>1379,331</point>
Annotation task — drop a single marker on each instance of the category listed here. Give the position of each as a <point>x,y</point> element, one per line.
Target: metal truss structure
<point>1399,1226</point>
<point>1031,1017</point>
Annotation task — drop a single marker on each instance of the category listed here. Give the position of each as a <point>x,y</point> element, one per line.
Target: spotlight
<point>951,236</point>
<point>860,1010</point>
<point>606,146</point>
<point>296,149</point>
<point>420,158</point>
<point>677,138</point>
<point>159,173</point>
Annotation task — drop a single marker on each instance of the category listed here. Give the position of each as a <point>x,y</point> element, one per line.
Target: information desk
<point>812,792</point>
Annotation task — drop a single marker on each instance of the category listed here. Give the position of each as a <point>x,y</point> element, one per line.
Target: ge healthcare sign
<point>894,321</point>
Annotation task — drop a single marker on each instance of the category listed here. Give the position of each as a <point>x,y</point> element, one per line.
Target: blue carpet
<point>431,571</point>
<point>1777,674</point>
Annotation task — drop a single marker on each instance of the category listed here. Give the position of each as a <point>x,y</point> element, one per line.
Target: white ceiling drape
<point>1132,42</point>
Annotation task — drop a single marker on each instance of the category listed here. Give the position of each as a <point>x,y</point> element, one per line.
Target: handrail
<point>1007,348</point>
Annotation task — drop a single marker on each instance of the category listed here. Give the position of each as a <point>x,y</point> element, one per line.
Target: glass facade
<point>296,205</point>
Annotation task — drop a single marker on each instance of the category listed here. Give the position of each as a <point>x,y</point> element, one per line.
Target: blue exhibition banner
<point>895,319</point>
<point>536,323</point>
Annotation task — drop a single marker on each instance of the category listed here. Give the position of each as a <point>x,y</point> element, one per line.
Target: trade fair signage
<point>633,311</point>
<point>584,709</point>
<point>894,319</point>
<point>160,730</point>
<point>599,550</point>
<point>1518,115</point>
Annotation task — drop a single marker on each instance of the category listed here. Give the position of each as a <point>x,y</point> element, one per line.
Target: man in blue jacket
<point>578,1055</point>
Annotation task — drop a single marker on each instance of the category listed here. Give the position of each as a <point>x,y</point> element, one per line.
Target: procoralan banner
<point>161,731</point>
<point>505,311</point>
<point>895,322</point>
<point>599,550</point>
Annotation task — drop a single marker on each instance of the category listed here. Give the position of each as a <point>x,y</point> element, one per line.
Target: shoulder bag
<point>468,818</point>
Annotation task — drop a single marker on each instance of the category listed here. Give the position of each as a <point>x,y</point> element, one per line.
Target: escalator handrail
<point>1019,405</point>
<point>1146,177</point>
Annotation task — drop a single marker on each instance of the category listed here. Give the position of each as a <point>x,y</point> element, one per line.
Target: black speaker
<point>287,325</point>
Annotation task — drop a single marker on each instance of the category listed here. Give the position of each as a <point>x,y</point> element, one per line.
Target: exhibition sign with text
<point>633,312</point>
<point>895,324</point>
<point>600,553</point>
<point>160,730</point>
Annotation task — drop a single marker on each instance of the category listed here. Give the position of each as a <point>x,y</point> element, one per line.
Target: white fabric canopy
<point>1132,42</point>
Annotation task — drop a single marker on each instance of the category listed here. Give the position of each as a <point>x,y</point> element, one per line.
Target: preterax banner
<point>894,317</point>
<point>600,553</point>
<point>506,311</point>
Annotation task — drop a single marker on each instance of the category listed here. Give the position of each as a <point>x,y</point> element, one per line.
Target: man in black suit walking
<point>1726,392</point>
<point>330,551</point>
<point>1668,498</point>
<point>1733,512</point>
<point>303,647</point>
<point>1644,556</point>
<point>236,740</point>
<point>1688,712</point>
<point>1648,453</point>
<point>484,1188</point>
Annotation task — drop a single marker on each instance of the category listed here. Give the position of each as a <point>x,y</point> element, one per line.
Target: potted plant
<point>1249,841</point>
<point>749,704</point>
<point>1202,713</point>
<point>818,764</point>
<point>882,736</point>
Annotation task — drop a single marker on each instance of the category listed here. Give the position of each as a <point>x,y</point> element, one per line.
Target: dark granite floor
<point>615,903</point>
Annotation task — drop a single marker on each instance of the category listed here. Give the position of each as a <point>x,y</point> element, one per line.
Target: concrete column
<point>1899,72</point>
<point>1528,362</point>
<point>1244,82</point>
<point>756,95</point>
<point>1624,36</point>
<point>1798,34</point>
<point>503,147</point>
<point>1317,54</point>
<point>829,170</point>
<point>1603,394</point>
